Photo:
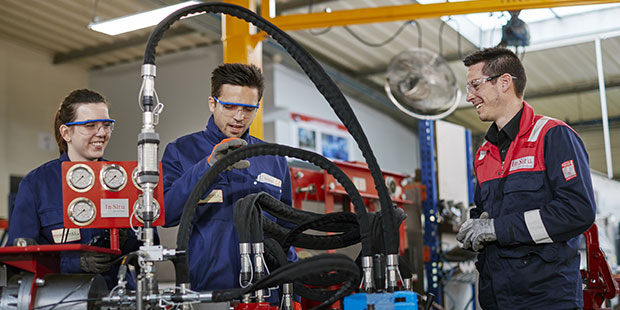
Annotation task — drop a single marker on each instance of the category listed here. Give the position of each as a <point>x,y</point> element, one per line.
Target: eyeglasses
<point>474,84</point>
<point>231,109</point>
<point>92,126</point>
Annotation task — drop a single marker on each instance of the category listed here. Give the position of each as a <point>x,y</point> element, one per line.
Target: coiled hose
<point>186,222</point>
<point>324,84</point>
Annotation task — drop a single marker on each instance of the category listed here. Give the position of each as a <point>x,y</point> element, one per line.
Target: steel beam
<point>410,12</point>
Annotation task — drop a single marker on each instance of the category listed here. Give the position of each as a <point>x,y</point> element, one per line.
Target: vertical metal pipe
<point>604,117</point>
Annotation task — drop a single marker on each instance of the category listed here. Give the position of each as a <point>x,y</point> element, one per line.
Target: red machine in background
<point>318,185</point>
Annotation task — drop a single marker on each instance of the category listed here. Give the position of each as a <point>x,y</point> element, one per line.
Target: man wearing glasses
<point>214,258</point>
<point>534,195</point>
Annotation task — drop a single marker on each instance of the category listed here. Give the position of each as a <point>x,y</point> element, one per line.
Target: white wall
<point>31,88</point>
<point>183,85</point>
<point>395,147</point>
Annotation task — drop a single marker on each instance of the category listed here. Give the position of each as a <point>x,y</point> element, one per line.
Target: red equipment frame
<point>314,185</point>
<point>599,280</point>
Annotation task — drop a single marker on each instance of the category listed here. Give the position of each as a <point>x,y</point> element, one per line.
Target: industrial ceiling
<point>562,80</point>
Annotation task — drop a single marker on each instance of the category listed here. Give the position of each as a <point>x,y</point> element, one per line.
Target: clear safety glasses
<point>475,84</point>
<point>231,109</point>
<point>92,126</point>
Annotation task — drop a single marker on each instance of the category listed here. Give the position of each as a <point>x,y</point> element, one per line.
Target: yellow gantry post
<point>243,45</point>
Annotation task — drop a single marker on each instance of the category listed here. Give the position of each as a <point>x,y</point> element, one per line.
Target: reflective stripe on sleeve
<point>537,128</point>
<point>535,226</point>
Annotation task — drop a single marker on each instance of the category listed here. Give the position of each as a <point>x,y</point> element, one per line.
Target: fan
<point>421,84</point>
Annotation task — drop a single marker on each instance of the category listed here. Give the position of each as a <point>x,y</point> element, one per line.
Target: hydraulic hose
<point>186,222</point>
<point>284,212</point>
<point>324,84</point>
<point>316,265</point>
<point>345,222</point>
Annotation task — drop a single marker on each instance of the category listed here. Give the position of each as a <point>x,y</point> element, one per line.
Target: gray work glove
<point>475,232</point>
<point>96,263</point>
<point>226,146</point>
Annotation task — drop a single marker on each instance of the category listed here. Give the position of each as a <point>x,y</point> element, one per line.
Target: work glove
<point>96,262</point>
<point>475,232</point>
<point>223,148</point>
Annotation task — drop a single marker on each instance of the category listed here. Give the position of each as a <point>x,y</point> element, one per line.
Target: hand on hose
<point>226,146</point>
<point>96,262</point>
<point>475,232</point>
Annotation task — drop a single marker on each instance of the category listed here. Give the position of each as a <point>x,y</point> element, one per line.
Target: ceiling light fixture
<point>137,21</point>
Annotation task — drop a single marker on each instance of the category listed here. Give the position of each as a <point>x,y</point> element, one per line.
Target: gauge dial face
<point>113,177</point>
<point>138,209</point>
<point>82,211</point>
<point>80,178</point>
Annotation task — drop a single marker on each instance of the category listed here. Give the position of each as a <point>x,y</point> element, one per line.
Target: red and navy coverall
<point>541,200</point>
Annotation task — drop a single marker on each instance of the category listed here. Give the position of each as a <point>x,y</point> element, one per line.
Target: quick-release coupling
<point>392,272</point>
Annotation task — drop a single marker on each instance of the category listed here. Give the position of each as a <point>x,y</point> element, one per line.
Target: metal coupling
<point>287,296</point>
<point>369,284</point>
<point>392,272</point>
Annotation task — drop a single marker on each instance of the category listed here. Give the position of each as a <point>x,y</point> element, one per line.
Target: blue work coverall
<point>541,200</point>
<point>214,259</point>
<point>37,214</point>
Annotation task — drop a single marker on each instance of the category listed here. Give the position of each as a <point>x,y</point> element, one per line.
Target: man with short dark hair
<point>214,259</point>
<point>534,195</point>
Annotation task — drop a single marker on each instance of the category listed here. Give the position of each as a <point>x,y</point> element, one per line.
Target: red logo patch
<point>568,169</point>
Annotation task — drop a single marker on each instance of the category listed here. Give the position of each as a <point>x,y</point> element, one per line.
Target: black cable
<point>315,265</point>
<point>417,25</point>
<point>69,294</point>
<point>317,75</point>
<point>458,38</point>
<point>388,40</point>
<point>65,302</point>
<point>186,222</point>
<point>307,241</point>
<point>347,238</point>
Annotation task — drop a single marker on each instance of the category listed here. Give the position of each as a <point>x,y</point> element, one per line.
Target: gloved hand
<point>96,263</point>
<point>226,146</point>
<point>475,232</point>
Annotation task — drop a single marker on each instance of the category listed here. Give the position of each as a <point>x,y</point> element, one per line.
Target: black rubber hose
<point>240,218</point>
<point>284,212</point>
<point>186,222</point>
<point>308,241</point>
<point>276,258</point>
<point>324,84</point>
<point>350,237</point>
<point>319,264</point>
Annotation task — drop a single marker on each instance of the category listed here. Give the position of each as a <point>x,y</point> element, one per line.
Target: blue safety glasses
<point>92,126</point>
<point>232,109</point>
<point>235,103</point>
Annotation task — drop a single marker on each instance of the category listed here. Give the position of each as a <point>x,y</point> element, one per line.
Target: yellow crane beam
<point>409,12</point>
<point>242,44</point>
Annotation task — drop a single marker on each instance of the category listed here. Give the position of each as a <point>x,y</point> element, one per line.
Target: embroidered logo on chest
<point>215,196</point>
<point>568,169</point>
<point>482,154</point>
<point>266,178</point>
<point>522,163</point>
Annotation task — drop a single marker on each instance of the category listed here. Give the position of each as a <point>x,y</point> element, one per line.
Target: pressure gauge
<point>134,178</point>
<point>82,211</point>
<point>80,178</point>
<point>113,177</point>
<point>138,208</point>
